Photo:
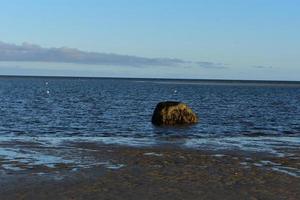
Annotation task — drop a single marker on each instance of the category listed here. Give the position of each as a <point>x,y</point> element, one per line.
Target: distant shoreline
<point>220,81</point>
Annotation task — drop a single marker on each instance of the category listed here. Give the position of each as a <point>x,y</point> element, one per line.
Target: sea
<point>254,116</point>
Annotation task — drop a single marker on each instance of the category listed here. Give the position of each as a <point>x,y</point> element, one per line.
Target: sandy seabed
<point>164,172</point>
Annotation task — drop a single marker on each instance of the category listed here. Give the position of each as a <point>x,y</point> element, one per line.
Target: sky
<point>215,39</point>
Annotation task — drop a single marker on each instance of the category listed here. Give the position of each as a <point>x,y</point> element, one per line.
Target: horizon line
<point>155,78</point>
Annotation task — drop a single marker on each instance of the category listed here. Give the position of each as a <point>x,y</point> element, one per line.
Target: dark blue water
<point>122,108</point>
<point>109,107</point>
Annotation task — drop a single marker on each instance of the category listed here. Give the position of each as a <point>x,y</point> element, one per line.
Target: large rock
<point>173,113</point>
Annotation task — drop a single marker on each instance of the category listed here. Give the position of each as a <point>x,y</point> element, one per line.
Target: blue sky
<point>257,39</point>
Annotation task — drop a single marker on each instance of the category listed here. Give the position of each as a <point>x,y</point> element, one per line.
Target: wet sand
<point>155,173</point>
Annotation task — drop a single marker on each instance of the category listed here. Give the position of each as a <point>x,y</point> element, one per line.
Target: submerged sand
<point>163,172</point>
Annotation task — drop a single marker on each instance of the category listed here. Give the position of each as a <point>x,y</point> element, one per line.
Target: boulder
<point>173,113</point>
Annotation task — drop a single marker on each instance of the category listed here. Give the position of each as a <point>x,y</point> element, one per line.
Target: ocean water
<point>251,116</point>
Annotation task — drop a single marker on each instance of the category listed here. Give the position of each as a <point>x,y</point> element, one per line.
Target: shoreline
<point>161,172</point>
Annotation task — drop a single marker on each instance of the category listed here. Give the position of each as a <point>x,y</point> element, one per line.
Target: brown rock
<point>173,113</point>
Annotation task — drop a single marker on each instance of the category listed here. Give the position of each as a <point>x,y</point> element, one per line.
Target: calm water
<point>255,117</point>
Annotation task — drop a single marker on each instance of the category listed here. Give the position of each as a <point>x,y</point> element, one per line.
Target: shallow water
<point>258,117</point>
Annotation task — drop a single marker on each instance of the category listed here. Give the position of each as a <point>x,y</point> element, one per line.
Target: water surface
<point>247,116</point>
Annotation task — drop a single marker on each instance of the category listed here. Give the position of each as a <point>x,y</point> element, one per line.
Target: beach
<point>149,100</point>
<point>164,172</point>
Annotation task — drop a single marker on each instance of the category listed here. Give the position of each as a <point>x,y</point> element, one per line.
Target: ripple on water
<point>18,159</point>
<point>273,166</point>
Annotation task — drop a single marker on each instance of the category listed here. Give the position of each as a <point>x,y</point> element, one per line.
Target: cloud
<point>35,53</point>
<point>262,67</point>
